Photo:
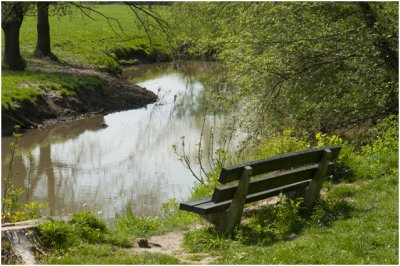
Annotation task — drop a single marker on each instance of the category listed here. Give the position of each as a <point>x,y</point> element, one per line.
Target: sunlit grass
<point>79,40</point>
<point>25,86</point>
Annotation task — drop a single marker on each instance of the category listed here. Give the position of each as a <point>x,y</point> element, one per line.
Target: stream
<point>86,165</point>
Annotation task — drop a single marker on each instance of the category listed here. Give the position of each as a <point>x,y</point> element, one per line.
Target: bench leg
<point>228,220</point>
<point>312,192</point>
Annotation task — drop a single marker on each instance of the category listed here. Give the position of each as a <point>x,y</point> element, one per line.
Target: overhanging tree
<point>308,65</point>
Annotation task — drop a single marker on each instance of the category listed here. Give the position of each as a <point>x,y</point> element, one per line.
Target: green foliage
<point>288,141</point>
<point>386,135</point>
<point>324,140</point>
<point>85,227</point>
<point>378,158</point>
<point>311,66</point>
<point>277,221</point>
<point>329,210</point>
<point>266,226</point>
<point>58,235</point>
<point>89,219</point>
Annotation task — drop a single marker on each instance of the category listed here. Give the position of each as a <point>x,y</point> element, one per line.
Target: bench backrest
<point>291,168</point>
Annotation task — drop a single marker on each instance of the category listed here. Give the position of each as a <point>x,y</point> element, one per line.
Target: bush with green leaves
<point>82,227</point>
<point>58,235</point>
<point>329,210</point>
<point>378,158</point>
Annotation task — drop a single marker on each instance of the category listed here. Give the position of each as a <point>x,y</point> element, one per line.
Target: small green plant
<point>280,220</point>
<point>287,216</point>
<point>89,219</point>
<point>206,239</point>
<point>137,226</point>
<point>59,235</point>
<point>329,210</point>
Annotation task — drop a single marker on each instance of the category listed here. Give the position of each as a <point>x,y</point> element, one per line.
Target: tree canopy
<point>307,65</point>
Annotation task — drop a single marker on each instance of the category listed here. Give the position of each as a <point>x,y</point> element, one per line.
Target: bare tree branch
<point>86,9</point>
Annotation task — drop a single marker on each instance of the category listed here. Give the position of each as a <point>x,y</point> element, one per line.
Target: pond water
<point>83,165</point>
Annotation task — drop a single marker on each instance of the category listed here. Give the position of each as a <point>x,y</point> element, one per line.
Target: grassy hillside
<point>79,40</point>
<point>111,37</point>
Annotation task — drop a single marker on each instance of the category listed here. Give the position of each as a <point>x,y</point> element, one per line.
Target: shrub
<point>281,219</point>
<point>89,219</point>
<point>331,209</point>
<point>58,235</point>
<point>289,141</point>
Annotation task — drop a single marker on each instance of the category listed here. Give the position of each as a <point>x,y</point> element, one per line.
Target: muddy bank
<point>52,107</point>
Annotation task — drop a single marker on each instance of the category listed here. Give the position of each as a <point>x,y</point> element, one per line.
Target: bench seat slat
<point>211,207</point>
<point>188,206</point>
<point>269,181</point>
<point>229,174</point>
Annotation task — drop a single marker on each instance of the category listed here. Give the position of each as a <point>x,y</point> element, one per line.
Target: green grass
<point>86,239</point>
<point>79,40</point>
<point>107,254</point>
<point>17,87</point>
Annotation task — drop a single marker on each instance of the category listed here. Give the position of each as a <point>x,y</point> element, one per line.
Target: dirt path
<point>171,244</point>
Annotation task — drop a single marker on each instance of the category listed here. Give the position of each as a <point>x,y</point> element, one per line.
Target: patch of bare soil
<point>52,107</point>
<point>171,244</point>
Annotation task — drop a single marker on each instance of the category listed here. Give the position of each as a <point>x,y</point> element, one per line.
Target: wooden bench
<point>300,172</point>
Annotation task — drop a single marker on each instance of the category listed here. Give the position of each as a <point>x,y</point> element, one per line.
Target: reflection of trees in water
<point>212,98</point>
<point>68,174</point>
<point>44,167</point>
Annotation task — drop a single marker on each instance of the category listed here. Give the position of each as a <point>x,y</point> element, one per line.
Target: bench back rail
<point>281,162</point>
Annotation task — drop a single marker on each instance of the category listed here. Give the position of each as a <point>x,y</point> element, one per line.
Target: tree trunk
<point>43,30</point>
<point>12,57</point>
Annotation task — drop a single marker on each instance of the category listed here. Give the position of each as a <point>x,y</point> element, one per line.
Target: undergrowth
<point>337,221</point>
<point>355,221</point>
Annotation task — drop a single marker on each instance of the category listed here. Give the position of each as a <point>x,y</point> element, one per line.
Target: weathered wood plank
<point>280,162</point>
<point>212,207</point>
<point>188,206</point>
<point>270,181</point>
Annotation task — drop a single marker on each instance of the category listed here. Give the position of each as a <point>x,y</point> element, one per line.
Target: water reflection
<point>129,161</point>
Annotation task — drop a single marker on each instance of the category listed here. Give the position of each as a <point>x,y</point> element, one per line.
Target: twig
<point>83,9</point>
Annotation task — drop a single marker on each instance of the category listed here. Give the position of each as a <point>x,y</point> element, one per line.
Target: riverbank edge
<point>51,107</point>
